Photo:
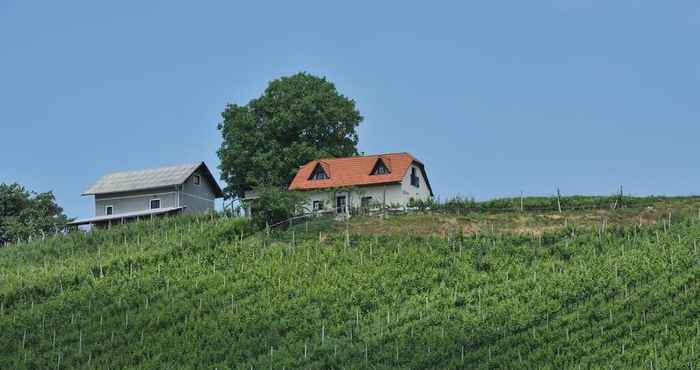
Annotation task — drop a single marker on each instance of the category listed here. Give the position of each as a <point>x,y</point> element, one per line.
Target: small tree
<point>274,205</point>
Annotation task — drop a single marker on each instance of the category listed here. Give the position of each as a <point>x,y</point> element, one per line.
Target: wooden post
<point>559,200</point>
<point>621,197</point>
<point>347,235</point>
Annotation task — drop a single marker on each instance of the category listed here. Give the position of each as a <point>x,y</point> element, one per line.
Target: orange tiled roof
<point>353,171</point>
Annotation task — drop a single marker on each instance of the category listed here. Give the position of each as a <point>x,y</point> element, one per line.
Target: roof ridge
<point>149,179</point>
<point>155,168</point>
<point>362,156</point>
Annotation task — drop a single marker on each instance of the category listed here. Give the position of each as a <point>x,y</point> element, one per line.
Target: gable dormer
<point>380,168</point>
<point>319,173</point>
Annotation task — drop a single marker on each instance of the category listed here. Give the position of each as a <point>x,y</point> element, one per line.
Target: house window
<point>340,204</point>
<point>196,179</point>
<point>155,203</point>
<point>318,205</point>
<point>365,202</point>
<point>319,173</point>
<point>380,168</point>
<point>415,180</point>
<point>109,210</point>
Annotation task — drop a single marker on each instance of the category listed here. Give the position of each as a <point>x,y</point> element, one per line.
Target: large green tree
<point>297,119</point>
<point>24,214</point>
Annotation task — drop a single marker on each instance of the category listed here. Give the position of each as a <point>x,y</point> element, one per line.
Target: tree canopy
<point>297,119</point>
<point>24,213</point>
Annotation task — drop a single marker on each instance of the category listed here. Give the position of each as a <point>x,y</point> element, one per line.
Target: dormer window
<point>380,168</point>
<point>319,173</point>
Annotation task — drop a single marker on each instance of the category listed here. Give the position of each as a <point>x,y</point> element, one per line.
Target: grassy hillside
<point>638,211</point>
<point>190,293</point>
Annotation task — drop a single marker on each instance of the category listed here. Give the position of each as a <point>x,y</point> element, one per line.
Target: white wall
<point>382,194</point>
<point>409,191</point>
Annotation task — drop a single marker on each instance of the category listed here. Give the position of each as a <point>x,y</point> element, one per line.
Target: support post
<point>559,200</point>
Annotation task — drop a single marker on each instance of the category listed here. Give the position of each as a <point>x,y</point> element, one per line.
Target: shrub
<point>274,205</point>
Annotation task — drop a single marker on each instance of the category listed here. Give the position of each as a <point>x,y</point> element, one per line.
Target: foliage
<point>171,294</point>
<point>234,229</point>
<point>298,118</point>
<point>24,214</point>
<point>273,205</point>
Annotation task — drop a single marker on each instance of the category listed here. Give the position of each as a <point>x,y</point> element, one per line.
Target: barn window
<point>319,173</point>
<point>380,168</point>
<point>196,179</point>
<point>109,210</point>
<point>415,180</point>
<point>155,203</point>
<point>318,205</point>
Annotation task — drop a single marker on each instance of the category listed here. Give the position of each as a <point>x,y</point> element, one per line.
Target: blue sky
<point>494,97</point>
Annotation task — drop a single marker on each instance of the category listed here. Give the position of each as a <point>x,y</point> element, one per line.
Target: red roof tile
<point>353,171</point>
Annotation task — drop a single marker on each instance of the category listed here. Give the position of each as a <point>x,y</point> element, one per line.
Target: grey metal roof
<point>147,179</point>
<point>120,216</point>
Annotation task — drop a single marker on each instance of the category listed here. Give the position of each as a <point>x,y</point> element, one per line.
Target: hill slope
<point>190,293</point>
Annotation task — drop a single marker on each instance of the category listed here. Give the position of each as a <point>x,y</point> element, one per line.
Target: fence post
<point>559,200</point>
<point>621,197</point>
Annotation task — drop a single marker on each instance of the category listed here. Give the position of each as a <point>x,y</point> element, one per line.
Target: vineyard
<point>208,292</point>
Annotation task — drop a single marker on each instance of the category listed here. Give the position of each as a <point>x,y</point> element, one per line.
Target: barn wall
<point>198,198</point>
<point>134,201</point>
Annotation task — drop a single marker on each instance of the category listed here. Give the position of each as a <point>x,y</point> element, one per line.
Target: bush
<point>274,205</point>
<point>233,229</point>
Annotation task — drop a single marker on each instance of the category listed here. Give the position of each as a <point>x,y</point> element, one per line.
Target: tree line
<point>25,214</point>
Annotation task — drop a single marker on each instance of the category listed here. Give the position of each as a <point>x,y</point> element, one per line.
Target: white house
<point>362,182</point>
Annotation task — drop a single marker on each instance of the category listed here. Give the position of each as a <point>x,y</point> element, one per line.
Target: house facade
<point>125,196</point>
<point>364,182</point>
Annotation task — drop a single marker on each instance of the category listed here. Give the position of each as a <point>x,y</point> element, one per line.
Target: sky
<point>495,97</point>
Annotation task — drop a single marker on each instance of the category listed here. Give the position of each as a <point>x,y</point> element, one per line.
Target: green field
<point>189,292</point>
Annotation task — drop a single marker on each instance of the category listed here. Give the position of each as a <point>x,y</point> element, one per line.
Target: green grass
<point>188,292</point>
<point>645,211</point>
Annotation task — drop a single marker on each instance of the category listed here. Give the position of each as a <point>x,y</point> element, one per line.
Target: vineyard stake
<point>559,200</point>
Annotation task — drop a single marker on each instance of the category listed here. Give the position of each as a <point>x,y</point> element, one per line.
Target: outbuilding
<point>125,196</point>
